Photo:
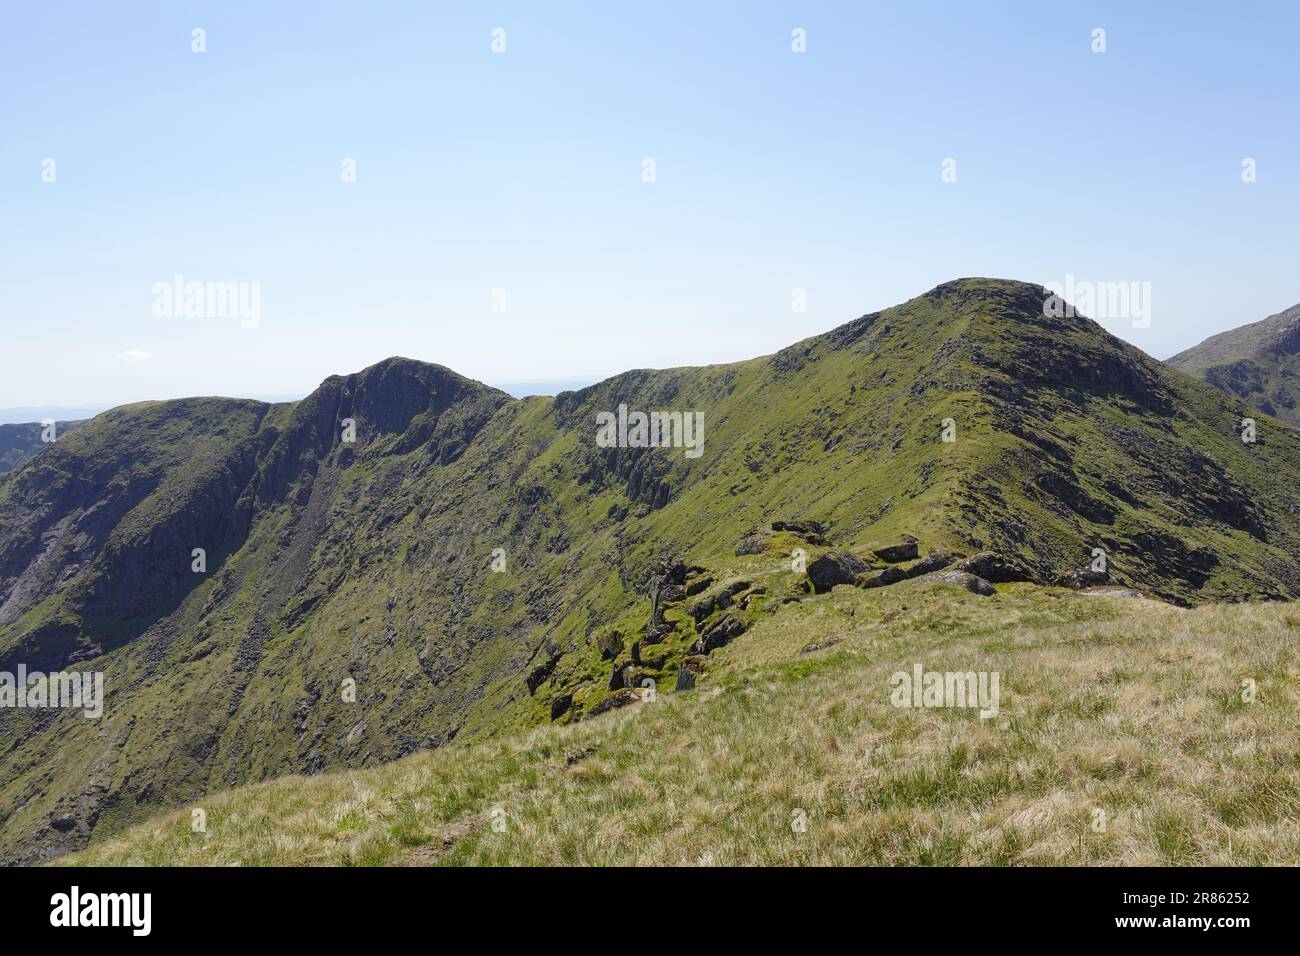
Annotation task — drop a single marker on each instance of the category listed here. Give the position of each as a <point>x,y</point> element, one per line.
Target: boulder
<point>1111,592</point>
<point>654,663</point>
<point>894,553</point>
<point>619,677</point>
<point>835,567</point>
<point>672,593</point>
<point>1082,578</point>
<point>655,633</point>
<point>969,581</point>
<point>818,646</point>
<point>934,561</point>
<point>882,577</point>
<point>993,567</point>
<point>706,606</point>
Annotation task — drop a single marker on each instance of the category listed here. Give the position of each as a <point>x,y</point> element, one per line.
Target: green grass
<point>371,562</point>
<point>1109,704</point>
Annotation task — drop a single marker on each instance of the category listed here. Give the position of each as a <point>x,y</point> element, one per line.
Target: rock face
<point>835,567</point>
<point>688,671</point>
<point>993,567</point>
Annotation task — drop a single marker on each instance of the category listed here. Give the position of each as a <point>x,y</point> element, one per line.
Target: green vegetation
<point>1126,707</point>
<point>373,561</point>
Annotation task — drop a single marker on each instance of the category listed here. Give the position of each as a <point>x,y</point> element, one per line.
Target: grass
<point>1122,739</point>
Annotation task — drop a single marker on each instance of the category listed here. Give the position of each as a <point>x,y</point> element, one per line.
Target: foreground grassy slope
<point>1129,707</point>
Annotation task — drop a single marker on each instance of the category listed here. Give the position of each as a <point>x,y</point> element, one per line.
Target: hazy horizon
<point>534,196</point>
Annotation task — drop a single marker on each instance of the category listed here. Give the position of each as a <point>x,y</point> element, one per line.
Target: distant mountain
<point>1259,363</point>
<point>20,442</point>
<point>24,414</point>
<point>477,563</point>
<point>547,386</point>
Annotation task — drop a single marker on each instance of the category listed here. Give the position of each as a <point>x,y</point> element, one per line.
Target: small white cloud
<point>135,355</point>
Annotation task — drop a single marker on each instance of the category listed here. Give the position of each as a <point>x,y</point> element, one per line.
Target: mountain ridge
<point>1258,362</point>
<point>376,560</point>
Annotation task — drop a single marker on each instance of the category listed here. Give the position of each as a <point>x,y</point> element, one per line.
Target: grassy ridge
<point>372,561</point>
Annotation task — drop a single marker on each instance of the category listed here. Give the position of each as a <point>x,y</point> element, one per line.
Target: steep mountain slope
<point>474,563</point>
<point>20,442</point>
<point>1259,363</point>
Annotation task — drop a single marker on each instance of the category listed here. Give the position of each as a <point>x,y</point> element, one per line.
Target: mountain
<point>24,414</point>
<point>473,563</point>
<point>20,442</point>
<point>1259,363</point>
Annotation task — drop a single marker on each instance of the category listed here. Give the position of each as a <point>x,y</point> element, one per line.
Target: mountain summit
<point>407,556</point>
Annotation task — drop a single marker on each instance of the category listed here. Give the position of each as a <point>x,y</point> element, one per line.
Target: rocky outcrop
<point>620,698</point>
<point>835,567</point>
<point>561,706</point>
<point>894,553</point>
<point>689,671</point>
<point>705,607</point>
<point>719,634</point>
<point>610,644</point>
<point>540,673</point>
<point>1081,578</point>
<point>993,567</point>
<point>970,582</point>
<point>757,540</point>
<point>935,561</point>
<point>883,577</point>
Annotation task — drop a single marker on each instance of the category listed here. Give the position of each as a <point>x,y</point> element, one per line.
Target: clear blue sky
<point>523,171</point>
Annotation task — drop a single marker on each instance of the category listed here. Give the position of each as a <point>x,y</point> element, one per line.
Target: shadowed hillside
<point>1259,363</point>
<point>20,442</point>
